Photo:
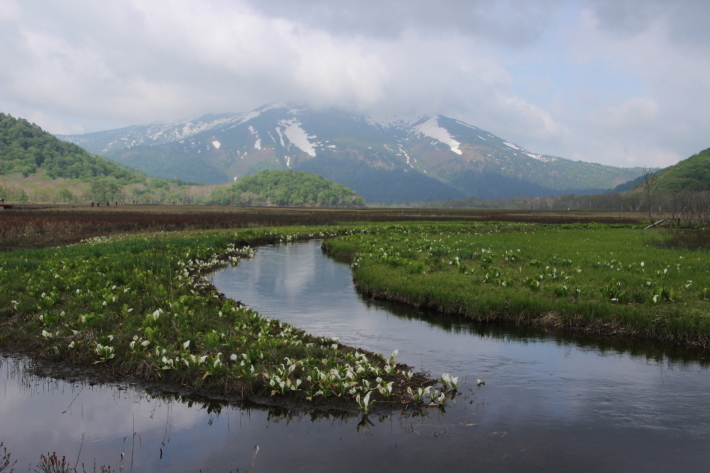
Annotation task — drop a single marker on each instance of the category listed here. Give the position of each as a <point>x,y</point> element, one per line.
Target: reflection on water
<point>550,403</point>
<point>616,404</point>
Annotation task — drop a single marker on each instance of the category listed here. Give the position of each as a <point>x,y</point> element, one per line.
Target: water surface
<point>550,403</point>
<point>565,403</point>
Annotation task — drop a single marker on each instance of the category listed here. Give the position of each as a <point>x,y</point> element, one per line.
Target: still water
<point>550,403</point>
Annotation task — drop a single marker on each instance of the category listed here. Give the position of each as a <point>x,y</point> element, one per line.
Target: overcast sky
<point>622,82</point>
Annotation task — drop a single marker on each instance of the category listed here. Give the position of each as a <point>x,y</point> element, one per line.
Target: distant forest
<point>286,188</point>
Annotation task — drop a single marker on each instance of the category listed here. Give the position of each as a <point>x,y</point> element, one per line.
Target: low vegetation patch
<point>139,306</point>
<point>602,278</point>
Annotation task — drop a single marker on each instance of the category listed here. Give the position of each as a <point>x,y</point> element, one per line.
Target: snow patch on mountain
<point>191,127</point>
<point>216,144</point>
<point>401,150</point>
<point>432,129</point>
<point>298,136</point>
<point>467,125</point>
<point>257,143</point>
<point>544,159</point>
<point>249,116</point>
<point>273,106</point>
<point>281,137</point>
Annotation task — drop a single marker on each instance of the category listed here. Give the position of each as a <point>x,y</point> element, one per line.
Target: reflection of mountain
<point>404,159</point>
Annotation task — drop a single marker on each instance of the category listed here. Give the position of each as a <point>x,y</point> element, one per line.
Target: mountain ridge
<point>398,160</point>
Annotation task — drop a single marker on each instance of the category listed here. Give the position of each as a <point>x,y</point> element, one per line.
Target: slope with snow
<point>416,152</point>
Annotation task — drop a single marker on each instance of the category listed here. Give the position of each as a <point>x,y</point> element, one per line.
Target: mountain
<point>399,160</point>
<point>26,148</point>
<point>691,174</point>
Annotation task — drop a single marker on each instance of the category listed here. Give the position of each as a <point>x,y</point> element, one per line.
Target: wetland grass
<point>606,279</point>
<point>139,306</point>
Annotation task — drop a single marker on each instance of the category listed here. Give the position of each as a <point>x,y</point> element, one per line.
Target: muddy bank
<point>238,395</point>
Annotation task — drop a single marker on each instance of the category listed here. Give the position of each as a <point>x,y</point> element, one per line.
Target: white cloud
<point>638,111</point>
<point>602,81</point>
<point>9,10</point>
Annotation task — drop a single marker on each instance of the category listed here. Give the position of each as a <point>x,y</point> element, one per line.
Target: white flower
<point>186,345</point>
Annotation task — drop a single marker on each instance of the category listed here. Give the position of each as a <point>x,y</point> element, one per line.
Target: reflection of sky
<point>548,404</point>
<point>533,380</point>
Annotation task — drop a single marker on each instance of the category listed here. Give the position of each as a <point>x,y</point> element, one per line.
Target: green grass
<point>602,278</point>
<point>140,306</point>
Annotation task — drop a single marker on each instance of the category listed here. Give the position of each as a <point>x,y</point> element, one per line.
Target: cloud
<point>507,22</point>
<point>590,78</point>
<point>638,111</point>
<point>684,20</point>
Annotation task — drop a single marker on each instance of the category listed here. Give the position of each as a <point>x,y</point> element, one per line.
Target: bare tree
<point>649,184</point>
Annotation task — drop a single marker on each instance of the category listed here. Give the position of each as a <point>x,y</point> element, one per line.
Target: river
<point>549,403</point>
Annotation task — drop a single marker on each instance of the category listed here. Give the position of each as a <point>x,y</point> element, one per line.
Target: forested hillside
<point>26,148</point>
<point>286,188</point>
<point>692,174</point>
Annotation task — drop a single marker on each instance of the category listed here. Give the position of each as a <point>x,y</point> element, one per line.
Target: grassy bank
<point>139,306</point>
<point>601,278</point>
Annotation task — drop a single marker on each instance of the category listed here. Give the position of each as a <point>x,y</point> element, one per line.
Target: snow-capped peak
<point>432,129</point>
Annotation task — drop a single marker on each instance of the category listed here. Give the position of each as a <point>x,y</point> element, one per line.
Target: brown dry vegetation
<point>37,228</point>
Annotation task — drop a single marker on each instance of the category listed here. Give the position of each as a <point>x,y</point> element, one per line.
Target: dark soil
<point>46,227</point>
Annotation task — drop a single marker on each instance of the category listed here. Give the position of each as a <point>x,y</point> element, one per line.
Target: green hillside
<point>286,188</point>
<point>692,174</point>
<point>26,148</point>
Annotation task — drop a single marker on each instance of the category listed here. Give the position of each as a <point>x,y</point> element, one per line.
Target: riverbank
<point>139,307</point>
<point>603,279</point>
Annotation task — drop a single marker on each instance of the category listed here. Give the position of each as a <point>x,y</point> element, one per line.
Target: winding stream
<point>550,403</point>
